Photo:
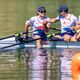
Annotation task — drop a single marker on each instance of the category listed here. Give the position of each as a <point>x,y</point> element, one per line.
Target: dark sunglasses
<point>42,11</point>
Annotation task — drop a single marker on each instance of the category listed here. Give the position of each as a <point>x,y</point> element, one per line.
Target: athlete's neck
<point>66,15</point>
<point>40,17</point>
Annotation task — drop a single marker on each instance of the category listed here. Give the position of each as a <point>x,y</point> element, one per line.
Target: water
<point>36,64</point>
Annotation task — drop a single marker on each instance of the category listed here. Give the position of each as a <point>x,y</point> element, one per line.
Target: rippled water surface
<point>36,64</point>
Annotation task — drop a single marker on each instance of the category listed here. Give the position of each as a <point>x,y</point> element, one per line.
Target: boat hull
<point>11,43</point>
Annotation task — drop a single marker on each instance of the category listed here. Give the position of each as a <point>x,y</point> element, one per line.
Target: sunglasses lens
<point>43,11</point>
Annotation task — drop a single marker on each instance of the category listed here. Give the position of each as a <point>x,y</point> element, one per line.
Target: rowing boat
<point>11,43</point>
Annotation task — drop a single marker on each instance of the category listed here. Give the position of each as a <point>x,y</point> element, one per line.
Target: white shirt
<point>67,23</point>
<point>36,22</point>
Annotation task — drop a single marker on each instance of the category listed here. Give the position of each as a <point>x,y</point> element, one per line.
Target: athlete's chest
<point>66,21</point>
<point>39,21</point>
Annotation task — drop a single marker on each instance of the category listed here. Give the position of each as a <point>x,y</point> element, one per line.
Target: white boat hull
<point>10,43</point>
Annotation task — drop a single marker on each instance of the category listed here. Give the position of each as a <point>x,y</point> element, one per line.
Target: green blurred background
<point>14,13</point>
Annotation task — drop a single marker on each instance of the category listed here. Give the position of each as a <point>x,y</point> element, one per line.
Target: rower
<point>76,37</point>
<point>67,21</point>
<point>39,28</point>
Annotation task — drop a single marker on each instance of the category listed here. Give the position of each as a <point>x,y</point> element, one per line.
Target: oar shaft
<point>7,37</point>
<point>27,41</point>
<point>13,35</point>
<point>25,33</point>
<point>55,29</point>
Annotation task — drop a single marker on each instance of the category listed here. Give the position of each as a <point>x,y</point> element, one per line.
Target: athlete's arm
<point>77,26</point>
<point>53,20</point>
<point>26,29</point>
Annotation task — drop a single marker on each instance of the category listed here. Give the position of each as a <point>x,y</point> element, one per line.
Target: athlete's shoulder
<point>72,15</point>
<point>59,17</point>
<point>75,18</point>
<point>31,20</point>
<point>34,17</point>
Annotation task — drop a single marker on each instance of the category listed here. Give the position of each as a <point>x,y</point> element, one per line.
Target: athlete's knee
<point>66,37</point>
<point>78,36</point>
<point>73,38</point>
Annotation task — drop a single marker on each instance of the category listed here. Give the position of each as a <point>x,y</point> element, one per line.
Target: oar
<point>20,43</point>
<point>55,29</point>
<point>60,30</point>
<point>14,35</point>
<point>27,41</point>
<point>25,33</point>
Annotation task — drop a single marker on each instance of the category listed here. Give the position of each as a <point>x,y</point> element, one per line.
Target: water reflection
<point>43,64</point>
<point>38,65</point>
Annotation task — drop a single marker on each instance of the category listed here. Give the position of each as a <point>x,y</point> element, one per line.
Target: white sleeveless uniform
<point>67,23</point>
<point>36,22</point>
<point>38,27</point>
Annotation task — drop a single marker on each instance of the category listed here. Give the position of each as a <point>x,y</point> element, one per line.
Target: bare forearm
<point>49,25</point>
<point>53,20</point>
<point>26,29</point>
